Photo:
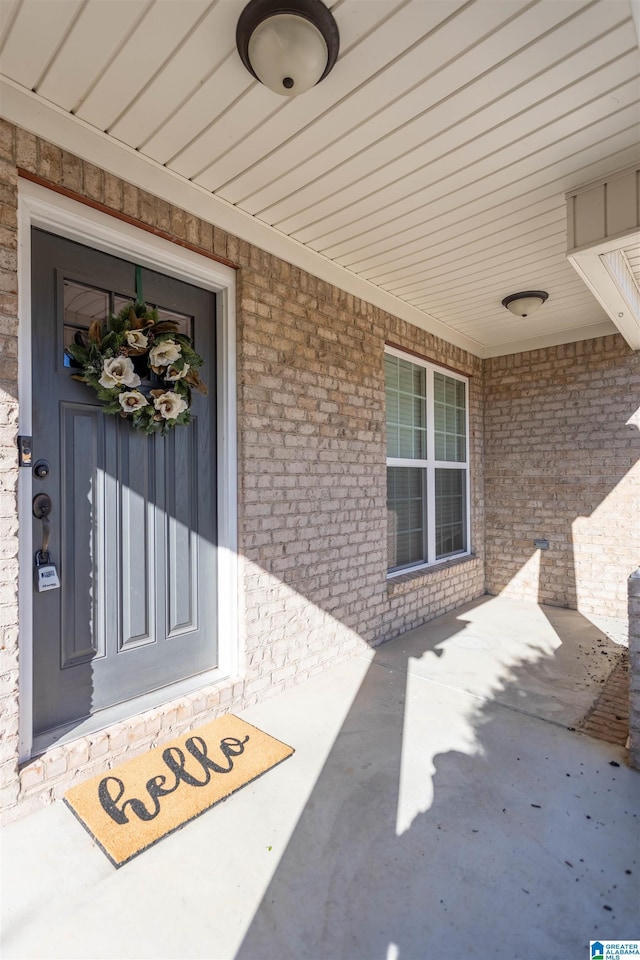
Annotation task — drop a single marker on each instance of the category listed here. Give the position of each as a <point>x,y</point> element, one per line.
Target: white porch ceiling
<point>427,173</point>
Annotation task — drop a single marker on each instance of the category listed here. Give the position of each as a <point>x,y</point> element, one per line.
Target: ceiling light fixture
<point>288,45</point>
<point>525,303</point>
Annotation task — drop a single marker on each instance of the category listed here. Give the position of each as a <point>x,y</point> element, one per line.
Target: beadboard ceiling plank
<point>585,148</point>
<point>291,119</point>
<point>8,14</point>
<point>194,60</point>
<point>486,307</point>
<point>514,328</point>
<point>574,310</point>
<point>222,88</point>
<point>440,246</point>
<point>518,276</point>
<point>478,166</point>
<point>429,168</point>
<point>480,157</point>
<point>454,229</point>
<point>517,198</point>
<point>454,124</point>
<point>91,44</point>
<point>167,22</point>
<point>510,328</point>
<point>543,242</point>
<point>496,248</point>
<point>383,103</point>
<point>521,271</point>
<point>277,116</point>
<point>445,98</point>
<point>474,302</point>
<point>519,263</point>
<point>39,27</point>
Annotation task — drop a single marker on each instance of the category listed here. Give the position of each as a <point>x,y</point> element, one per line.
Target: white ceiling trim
<point>551,339</point>
<point>71,133</point>
<point>606,271</point>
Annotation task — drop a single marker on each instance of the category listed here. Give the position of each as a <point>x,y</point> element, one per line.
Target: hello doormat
<point>136,804</point>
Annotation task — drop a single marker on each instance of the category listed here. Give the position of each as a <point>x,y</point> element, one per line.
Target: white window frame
<point>431,464</point>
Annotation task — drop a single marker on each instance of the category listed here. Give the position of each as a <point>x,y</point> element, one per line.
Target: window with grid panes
<point>427,462</point>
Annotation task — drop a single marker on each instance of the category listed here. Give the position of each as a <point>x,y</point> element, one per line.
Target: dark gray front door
<point>133,523</point>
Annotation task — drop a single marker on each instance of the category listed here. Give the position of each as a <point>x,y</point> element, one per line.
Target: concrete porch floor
<point>437,805</point>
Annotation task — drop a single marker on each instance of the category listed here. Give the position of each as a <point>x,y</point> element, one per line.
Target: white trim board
<point>27,110</point>
<point>605,270</point>
<point>39,207</point>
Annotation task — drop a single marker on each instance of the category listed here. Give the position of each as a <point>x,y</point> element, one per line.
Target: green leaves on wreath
<point>106,352</point>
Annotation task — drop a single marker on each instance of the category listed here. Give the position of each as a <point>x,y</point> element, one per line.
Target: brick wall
<point>312,527</point>
<point>8,470</point>
<point>634,669</point>
<point>562,452</point>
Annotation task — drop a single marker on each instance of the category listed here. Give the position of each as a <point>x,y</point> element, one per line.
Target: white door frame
<point>39,207</point>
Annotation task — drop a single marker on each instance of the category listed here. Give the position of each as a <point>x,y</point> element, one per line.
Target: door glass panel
<point>82,304</point>
<point>184,321</point>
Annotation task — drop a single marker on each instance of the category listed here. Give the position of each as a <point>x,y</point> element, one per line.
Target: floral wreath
<point>140,367</point>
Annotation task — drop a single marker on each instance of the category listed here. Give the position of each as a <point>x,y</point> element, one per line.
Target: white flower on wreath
<point>174,374</point>
<point>170,405</point>
<point>164,353</point>
<point>137,340</point>
<point>132,400</point>
<point>117,371</point>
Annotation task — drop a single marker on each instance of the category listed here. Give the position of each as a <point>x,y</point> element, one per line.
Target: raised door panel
<point>133,524</point>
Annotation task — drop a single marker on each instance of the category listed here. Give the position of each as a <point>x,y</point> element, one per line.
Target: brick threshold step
<point>608,718</point>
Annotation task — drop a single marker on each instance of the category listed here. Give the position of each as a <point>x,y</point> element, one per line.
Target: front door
<point>133,519</point>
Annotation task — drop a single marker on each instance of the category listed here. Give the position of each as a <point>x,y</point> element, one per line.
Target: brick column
<point>634,669</point>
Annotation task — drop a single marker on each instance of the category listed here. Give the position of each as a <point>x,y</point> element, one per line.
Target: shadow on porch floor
<point>437,801</point>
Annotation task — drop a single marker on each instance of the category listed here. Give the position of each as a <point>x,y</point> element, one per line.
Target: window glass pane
<point>82,304</point>
<point>405,447</point>
<point>450,391</point>
<point>391,371</point>
<point>451,524</point>
<point>393,439</point>
<point>405,409</point>
<point>410,499</point>
<point>406,400</point>
<point>393,413</point>
<point>405,376</point>
<point>449,418</point>
<point>406,516</point>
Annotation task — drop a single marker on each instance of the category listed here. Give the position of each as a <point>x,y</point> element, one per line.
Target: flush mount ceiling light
<point>289,45</point>
<point>525,303</point>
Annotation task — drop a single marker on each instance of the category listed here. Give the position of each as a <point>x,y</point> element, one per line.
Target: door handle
<point>46,573</point>
<point>42,507</point>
